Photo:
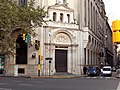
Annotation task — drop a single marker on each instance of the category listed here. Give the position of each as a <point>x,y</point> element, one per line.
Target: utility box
<point>15,70</point>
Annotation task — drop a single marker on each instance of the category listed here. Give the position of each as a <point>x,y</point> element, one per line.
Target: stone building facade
<point>109,47</point>
<point>73,37</point>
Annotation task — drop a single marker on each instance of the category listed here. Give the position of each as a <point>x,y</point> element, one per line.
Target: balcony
<point>62,25</point>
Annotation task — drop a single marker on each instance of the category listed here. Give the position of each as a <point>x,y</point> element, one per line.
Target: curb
<point>57,77</point>
<point>39,76</point>
<point>15,77</point>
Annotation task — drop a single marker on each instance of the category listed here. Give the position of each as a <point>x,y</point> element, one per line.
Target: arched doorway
<point>21,51</point>
<point>62,41</point>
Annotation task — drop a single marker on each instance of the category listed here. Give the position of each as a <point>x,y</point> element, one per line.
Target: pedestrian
<point>84,70</point>
<point>101,72</point>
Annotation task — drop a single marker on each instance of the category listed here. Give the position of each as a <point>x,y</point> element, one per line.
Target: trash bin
<point>15,70</point>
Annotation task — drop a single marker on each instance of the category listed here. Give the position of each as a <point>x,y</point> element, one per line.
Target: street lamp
<point>105,49</point>
<point>49,58</point>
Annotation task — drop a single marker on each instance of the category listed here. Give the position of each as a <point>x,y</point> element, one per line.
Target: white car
<point>107,71</point>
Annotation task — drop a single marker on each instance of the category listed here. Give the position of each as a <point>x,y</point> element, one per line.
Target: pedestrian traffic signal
<point>27,38</point>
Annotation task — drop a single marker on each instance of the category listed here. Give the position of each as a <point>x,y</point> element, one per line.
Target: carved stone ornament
<point>61,39</point>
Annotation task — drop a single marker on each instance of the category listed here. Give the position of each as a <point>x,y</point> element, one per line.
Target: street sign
<point>49,58</point>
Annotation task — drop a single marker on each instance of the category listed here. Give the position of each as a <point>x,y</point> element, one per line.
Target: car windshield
<point>106,69</point>
<point>92,68</point>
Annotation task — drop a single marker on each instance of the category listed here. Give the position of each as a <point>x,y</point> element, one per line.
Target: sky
<point>112,8</point>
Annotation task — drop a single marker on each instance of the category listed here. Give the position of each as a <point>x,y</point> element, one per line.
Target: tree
<point>16,19</point>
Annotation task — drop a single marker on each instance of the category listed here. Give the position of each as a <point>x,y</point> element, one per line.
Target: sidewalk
<point>56,77</point>
<point>59,76</point>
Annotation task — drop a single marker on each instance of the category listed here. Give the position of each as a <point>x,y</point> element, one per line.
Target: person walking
<point>85,70</point>
<point>101,72</point>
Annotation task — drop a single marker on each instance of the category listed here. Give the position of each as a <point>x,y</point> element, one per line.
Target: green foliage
<point>13,17</point>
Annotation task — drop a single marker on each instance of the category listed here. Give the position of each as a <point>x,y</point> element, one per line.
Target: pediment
<point>60,7</point>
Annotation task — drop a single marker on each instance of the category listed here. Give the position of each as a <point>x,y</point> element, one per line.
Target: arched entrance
<point>62,42</point>
<point>21,51</point>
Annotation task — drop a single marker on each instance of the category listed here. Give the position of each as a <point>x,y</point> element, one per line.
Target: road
<point>82,83</point>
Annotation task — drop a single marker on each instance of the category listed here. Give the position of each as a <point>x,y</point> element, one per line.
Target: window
<point>89,39</point>
<point>91,57</point>
<point>61,17</point>
<point>22,2</point>
<point>88,57</point>
<point>21,70</point>
<point>64,1</point>
<point>85,17</point>
<point>88,13</point>
<point>94,19</point>
<point>68,17</point>
<point>85,55</point>
<point>54,16</point>
<point>91,16</point>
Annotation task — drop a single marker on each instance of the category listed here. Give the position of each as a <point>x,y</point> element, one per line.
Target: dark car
<point>93,71</point>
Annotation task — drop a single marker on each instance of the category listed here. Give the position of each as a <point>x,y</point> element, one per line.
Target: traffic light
<point>26,37</point>
<point>41,57</point>
<point>23,36</point>
<point>37,44</point>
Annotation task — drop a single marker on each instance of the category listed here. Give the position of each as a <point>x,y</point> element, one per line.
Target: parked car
<point>93,71</point>
<point>107,71</point>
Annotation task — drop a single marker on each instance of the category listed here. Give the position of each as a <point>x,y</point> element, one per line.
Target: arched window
<point>54,16</point>
<point>92,41</point>
<point>61,17</point>
<point>68,17</point>
<point>89,39</point>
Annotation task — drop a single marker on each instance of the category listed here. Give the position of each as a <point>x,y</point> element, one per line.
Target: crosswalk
<point>118,88</point>
<point>99,77</point>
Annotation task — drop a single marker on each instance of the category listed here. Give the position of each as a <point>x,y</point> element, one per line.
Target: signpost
<point>39,62</point>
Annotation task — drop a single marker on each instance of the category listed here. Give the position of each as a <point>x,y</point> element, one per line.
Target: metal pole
<point>49,66</point>
<point>39,62</point>
<point>39,65</point>
<point>49,52</point>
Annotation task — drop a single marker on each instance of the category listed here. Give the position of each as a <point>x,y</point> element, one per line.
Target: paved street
<point>82,83</point>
